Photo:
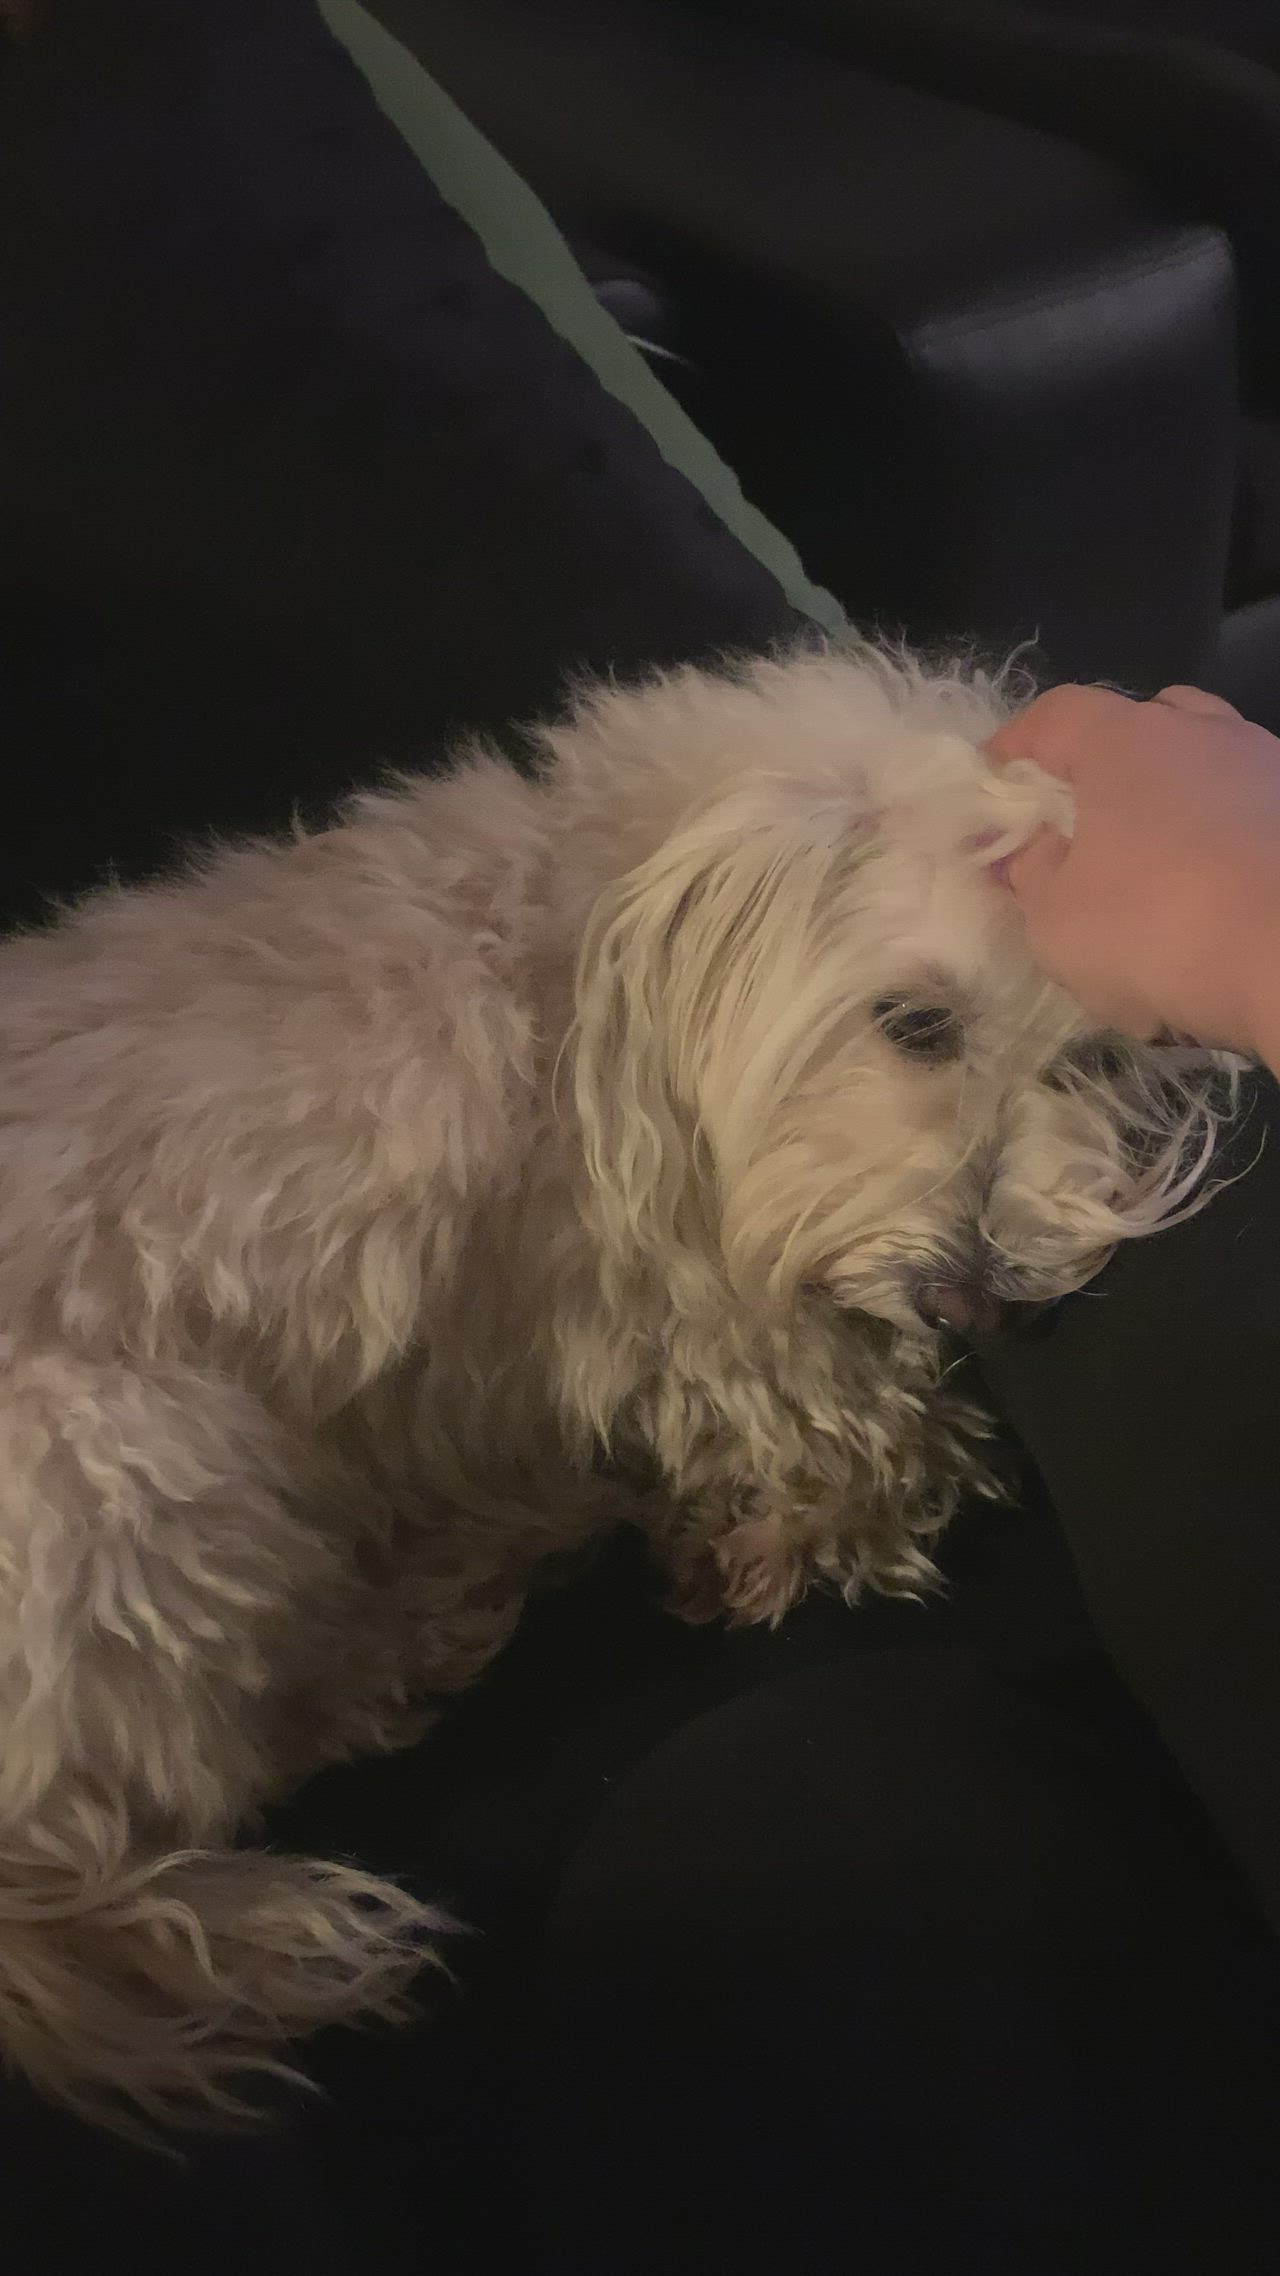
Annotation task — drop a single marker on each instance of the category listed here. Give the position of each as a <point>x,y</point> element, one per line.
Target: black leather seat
<point>977,300</point>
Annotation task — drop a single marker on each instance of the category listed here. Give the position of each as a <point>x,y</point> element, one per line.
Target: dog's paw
<point>752,1571</point>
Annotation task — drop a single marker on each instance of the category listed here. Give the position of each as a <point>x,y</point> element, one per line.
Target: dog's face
<point>816,1060</point>
<point>956,1136</point>
<point>825,1106</point>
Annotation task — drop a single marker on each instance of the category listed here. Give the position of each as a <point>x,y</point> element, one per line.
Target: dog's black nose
<point>958,1305</point>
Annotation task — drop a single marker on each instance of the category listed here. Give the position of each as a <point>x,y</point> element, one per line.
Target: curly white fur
<point>385,1211</point>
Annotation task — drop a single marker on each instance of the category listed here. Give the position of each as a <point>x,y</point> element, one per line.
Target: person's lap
<point>1148,1402</point>
<point>896,1964</point>
<point>887,1931</point>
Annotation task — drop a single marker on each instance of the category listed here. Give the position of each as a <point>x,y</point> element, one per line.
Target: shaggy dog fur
<point>384,1212</point>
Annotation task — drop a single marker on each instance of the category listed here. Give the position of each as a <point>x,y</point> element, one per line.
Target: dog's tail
<point>150,1999</point>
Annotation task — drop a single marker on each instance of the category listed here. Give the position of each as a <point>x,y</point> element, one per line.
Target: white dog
<point>385,1211</point>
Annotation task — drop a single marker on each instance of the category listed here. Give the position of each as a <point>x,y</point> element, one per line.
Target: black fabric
<point>888,1939</point>
<point>1247,27</point>
<point>984,379</point>
<point>251,553</point>
<point>1255,536</point>
<point>1247,667</point>
<point>1244,27</point>
<point>1148,1403</point>
<point>781,1929</point>
<point>293,485</point>
<point>1191,108</point>
<point>895,1965</point>
<point>986,376</point>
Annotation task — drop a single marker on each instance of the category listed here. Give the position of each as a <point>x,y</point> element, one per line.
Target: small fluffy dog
<point>384,1212</point>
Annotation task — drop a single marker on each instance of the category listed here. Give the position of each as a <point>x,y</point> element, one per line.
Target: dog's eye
<point>929,1032</point>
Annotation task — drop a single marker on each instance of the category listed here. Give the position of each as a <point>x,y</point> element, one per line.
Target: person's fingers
<point>1058,726</point>
<point>1199,700</point>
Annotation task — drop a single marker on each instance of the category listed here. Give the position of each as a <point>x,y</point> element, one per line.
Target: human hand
<point>1163,910</point>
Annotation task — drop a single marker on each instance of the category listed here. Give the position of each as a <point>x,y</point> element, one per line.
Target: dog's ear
<point>700,1000</point>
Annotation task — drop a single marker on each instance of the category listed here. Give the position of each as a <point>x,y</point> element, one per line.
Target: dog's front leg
<point>766,1492</point>
<point>749,1551</point>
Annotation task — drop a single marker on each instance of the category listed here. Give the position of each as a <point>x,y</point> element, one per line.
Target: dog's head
<point>813,1057</point>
